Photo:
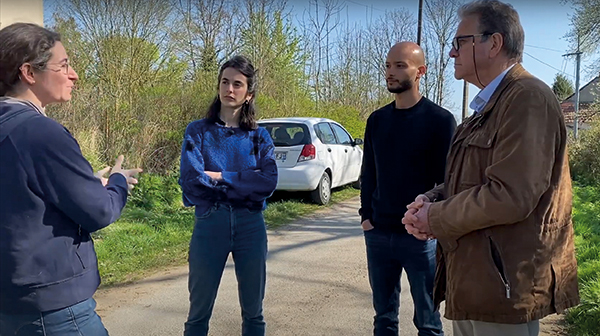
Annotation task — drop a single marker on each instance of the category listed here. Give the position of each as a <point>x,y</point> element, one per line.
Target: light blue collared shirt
<point>483,97</point>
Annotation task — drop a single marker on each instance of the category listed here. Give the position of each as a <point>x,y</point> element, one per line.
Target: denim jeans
<point>387,255</point>
<point>77,320</point>
<point>220,231</point>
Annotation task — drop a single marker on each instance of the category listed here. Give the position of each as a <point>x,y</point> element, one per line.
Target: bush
<point>154,192</point>
<point>585,156</point>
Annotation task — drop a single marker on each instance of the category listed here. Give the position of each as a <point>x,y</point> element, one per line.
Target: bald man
<point>405,149</point>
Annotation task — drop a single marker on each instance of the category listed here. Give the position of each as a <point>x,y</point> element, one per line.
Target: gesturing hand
<point>100,175</point>
<point>128,173</point>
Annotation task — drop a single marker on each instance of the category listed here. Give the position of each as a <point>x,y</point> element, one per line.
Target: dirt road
<point>317,285</point>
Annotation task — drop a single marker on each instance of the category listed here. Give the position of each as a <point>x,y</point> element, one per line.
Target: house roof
<point>594,83</point>
<point>587,112</point>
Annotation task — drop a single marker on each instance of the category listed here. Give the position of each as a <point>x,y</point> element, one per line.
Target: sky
<point>545,23</point>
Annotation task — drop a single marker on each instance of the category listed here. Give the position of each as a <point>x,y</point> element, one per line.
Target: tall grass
<point>585,319</point>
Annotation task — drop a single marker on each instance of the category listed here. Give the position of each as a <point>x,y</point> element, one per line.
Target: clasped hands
<point>416,218</point>
<point>218,176</point>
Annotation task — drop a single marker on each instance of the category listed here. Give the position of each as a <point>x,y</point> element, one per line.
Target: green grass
<point>280,212</point>
<point>150,236</point>
<point>142,241</point>
<point>584,320</point>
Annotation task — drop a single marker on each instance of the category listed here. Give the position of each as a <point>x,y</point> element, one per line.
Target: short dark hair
<point>248,113</point>
<point>23,43</point>
<point>498,17</point>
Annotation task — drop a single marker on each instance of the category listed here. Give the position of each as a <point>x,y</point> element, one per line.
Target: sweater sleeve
<point>443,139</point>
<point>195,184</point>
<point>67,180</point>
<point>368,181</point>
<point>444,136</point>
<point>256,184</point>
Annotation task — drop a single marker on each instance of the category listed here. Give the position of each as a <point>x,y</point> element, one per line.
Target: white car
<point>314,154</point>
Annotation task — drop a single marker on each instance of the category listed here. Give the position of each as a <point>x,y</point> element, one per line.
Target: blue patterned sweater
<point>245,159</point>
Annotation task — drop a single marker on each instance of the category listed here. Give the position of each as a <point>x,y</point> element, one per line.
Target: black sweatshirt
<point>404,155</point>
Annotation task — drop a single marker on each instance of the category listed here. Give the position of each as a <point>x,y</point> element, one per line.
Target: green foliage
<point>585,318</point>
<point>585,31</point>
<point>562,87</point>
<point>348,116</point>
<point>156,192</point>
<point>585,156</point>
<point>142,241</point>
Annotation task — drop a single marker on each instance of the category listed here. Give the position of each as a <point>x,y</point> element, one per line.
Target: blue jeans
<point>77,320</point>
<point>220,231</point>
<point>387,255</point>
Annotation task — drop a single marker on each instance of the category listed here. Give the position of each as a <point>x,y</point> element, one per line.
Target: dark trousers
<point>223,230</point>
<point>387,255</point>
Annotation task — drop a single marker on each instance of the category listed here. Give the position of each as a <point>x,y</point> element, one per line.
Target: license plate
<point>280,156</point>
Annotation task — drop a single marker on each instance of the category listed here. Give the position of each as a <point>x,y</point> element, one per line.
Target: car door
<point>332,153</point>
<point>349,153</point>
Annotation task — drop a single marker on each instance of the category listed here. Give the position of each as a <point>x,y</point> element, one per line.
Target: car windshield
<point>287,134</point>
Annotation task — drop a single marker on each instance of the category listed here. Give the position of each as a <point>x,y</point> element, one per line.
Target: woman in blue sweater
<point>227,172</point>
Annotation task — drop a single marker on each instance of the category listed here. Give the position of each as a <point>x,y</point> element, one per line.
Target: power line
<point>546,64</point>
<point>544,48</point>
<point>361,4</point>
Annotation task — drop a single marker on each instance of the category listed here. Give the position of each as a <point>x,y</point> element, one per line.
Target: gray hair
<point>498,17</point>
<point>23,43</point>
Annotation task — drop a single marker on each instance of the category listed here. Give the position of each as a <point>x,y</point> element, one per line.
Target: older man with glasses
<point>502,218</point>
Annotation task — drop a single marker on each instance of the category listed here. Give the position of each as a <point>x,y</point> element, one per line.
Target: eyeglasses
<point>456,40</point>
<point>63,67</point>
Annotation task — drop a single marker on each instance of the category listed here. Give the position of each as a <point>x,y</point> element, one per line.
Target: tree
<point>124,57</point>
<point>273,44</point>
<point>320,20</point>
<point>354,80</point>
<point>441,20</point>
<point>562,87</point>
<point>205,35</point>
<point>585,29</point>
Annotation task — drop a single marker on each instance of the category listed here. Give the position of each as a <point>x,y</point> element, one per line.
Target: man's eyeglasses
<point>456,41</point>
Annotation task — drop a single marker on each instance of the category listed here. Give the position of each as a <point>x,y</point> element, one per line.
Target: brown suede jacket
<point>503,216</point>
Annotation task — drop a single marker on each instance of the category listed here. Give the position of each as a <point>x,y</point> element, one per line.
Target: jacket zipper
<point>500,268</point>
<point>507,286</point>
<point>78,245</point>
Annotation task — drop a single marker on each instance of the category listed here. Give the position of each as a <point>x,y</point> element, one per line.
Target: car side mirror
<point>358,142</point>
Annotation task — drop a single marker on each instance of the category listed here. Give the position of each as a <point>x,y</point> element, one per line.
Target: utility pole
<point>465,107</point>
<point>420,23</point>
<point>577,68</point>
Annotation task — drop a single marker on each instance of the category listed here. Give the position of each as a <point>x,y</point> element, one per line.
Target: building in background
<point>589,105</point>
<point>12,11</point>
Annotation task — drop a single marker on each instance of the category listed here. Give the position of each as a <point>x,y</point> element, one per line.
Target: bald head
<point>404,67</point>
<point>409,52</point>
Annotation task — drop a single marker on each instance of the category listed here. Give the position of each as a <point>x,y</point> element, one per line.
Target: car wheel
<point>356,184</point>
<point>322,194</point>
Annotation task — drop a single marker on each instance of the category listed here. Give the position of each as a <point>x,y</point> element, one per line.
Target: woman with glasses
<point>227,172</point>
<point>50,198</point>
